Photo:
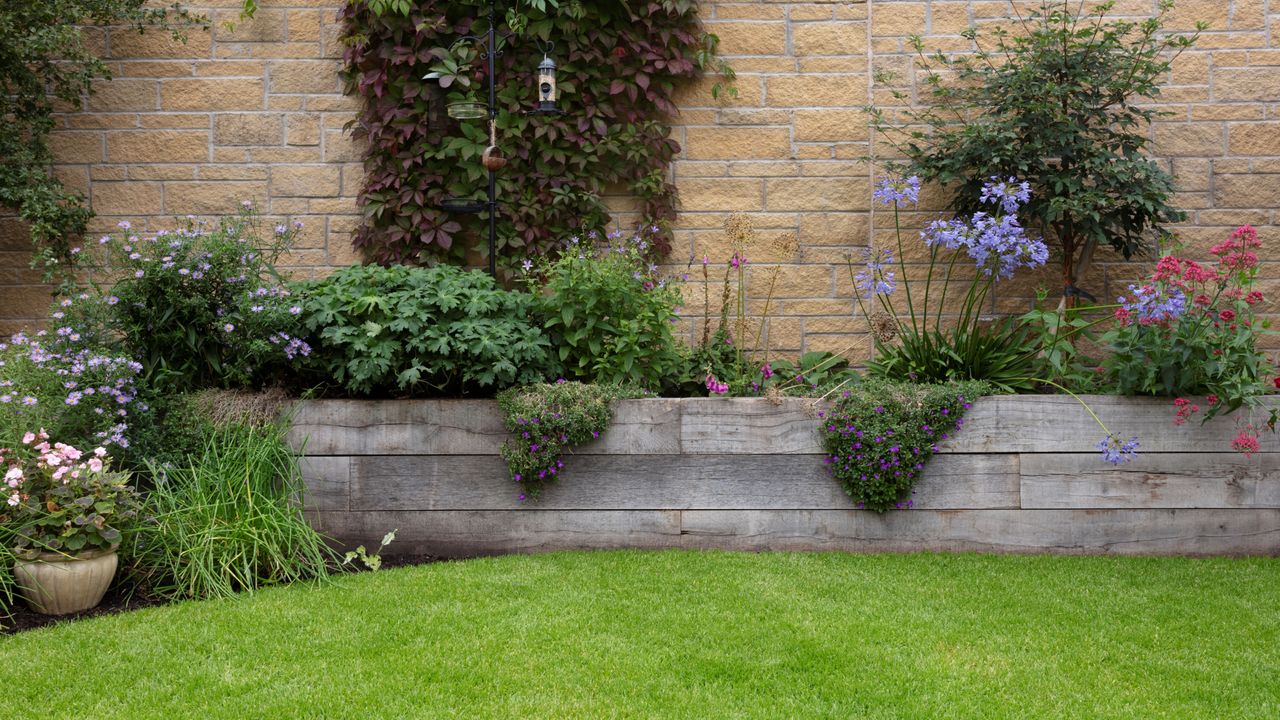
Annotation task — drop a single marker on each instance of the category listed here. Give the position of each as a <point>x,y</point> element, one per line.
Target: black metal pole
<point>493,118</point>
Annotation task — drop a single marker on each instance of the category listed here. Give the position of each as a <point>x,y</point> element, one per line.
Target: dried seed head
<point>786,244</point>
<point>773,394</point>
<point>883,327</point>
<point>740,231</point>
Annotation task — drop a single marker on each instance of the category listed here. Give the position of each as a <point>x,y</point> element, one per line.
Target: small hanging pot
<point>492,158</point>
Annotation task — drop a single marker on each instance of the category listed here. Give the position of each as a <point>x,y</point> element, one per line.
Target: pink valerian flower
<point>1246,442</point>
<point>1185,409</point>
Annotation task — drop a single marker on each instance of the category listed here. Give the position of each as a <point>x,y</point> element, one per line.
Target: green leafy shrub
<point>229,520</point>
<point>547,420</point>
<point>879,435</point>
<point>440,330</point>
<point>608,312</point>
<point>199,307</point>
<point>1065,102</point>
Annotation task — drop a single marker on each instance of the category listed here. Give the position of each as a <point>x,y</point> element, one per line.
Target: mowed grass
<point>687,635</point>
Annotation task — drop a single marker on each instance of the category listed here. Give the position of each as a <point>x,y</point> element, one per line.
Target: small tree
<point>43,60</point>
<point>1053,105</point>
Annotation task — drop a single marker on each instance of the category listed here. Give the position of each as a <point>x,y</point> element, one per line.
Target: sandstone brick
<point>842,38</point>
<point>1254,139</point>
<point>211,94</point>
<point>304,25</point>
<point>733,143</point>
<point>831,125</point>
<point>211,198</point>
<point>124,94</point>
<point>845,64</point>
<point>899,19</point>
<point>799,91</point>
<point>817,194</point>
<point>266,25</point>
<point>157,43</point>
<point>290,206</point>
<point>74,178</point>
<point>810,12</point>
<point>749,11</point>
<point>158,146</point>
<point>338,147</point>
<point>155,68</point>
<point>332,103</point>
<point>96,121</point>
<point>744,117</point>
<point>126,198</point>
<point>305,181</point>
<point>1247,191</point>
<point>304,76</point>
<point>750,38</point>
<point>795,280</point>
<point>162,172</point>
<point>292,103</point>
<point>76,147</point>
<point>248,129</point>
<point>1188,140</point>
<point>108,172</point>
<point>174,121</point>
<point>231,68</point>
<point>721,195</point>
<point>698,94</point>
<point>234,172</point>
<point>303,129</point>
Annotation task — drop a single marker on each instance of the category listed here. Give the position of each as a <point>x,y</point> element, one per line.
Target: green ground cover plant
<point>693,635</point>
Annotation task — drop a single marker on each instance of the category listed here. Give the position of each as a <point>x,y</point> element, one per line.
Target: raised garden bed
<point>1024,475</point>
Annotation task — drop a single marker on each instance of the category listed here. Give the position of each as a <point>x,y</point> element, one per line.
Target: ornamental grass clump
<point>932,344</point>
<point>879,436</point>
<point>548,420</point>
<point>229,520</point>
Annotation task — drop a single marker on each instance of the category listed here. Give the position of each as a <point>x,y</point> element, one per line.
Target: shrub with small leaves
<point>879,436</point>
<point>548,420</point>
<point>440,330</point>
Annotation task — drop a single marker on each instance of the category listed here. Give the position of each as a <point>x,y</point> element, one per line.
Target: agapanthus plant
<point>1191,330</point>
<point>934,341</point>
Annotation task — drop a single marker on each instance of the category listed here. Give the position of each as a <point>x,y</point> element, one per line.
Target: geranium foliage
<point>619,65</point>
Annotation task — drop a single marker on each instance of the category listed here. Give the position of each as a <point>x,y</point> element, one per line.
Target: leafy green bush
<point>1065,102</point>
<point>547,420</point>
<point>608,312</point>
<point>879,436</point>
<point>440,329</point>
<point>199,307</point>
<point>229,520</point>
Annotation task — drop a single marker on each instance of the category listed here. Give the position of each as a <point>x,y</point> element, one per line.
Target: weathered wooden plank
<point>1058,423</point>
<point>470,533</point>
<point>749,426</point>
<point>1121,532</point>
<point>1076,532</point>
<point>328,483</point>
<point>397,427</point>
<point>662,482</point>
<point>463,427</point>
<point>1153,480</point>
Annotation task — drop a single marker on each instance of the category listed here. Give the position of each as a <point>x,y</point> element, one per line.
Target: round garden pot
<point>55,584</point>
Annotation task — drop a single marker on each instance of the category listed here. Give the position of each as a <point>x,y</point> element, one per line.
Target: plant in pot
<point>66,510</point>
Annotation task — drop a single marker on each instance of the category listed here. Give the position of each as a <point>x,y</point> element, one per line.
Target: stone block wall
<point>257,113</point>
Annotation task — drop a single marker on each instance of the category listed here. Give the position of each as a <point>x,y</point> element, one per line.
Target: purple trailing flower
<point>1116,451</point>
<point>898,191</point>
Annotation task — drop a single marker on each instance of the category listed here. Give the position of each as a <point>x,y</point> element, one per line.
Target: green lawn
<point>688,635</point>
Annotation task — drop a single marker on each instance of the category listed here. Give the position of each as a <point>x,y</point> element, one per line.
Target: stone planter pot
<point>1024,475</point>
<point>55,584</point>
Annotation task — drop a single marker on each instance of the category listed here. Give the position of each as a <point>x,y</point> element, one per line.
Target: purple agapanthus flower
<point>898,191</point>
<point>1116,451</point>
<point>1009,194</point>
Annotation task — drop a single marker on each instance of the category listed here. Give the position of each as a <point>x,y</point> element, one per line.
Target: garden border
<point>1024,475</point>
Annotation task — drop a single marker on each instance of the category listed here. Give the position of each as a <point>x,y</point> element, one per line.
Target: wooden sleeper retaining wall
<point>1024,475</point>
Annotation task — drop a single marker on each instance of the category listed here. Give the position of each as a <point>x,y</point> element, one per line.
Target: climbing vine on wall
<point>620,63</point>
